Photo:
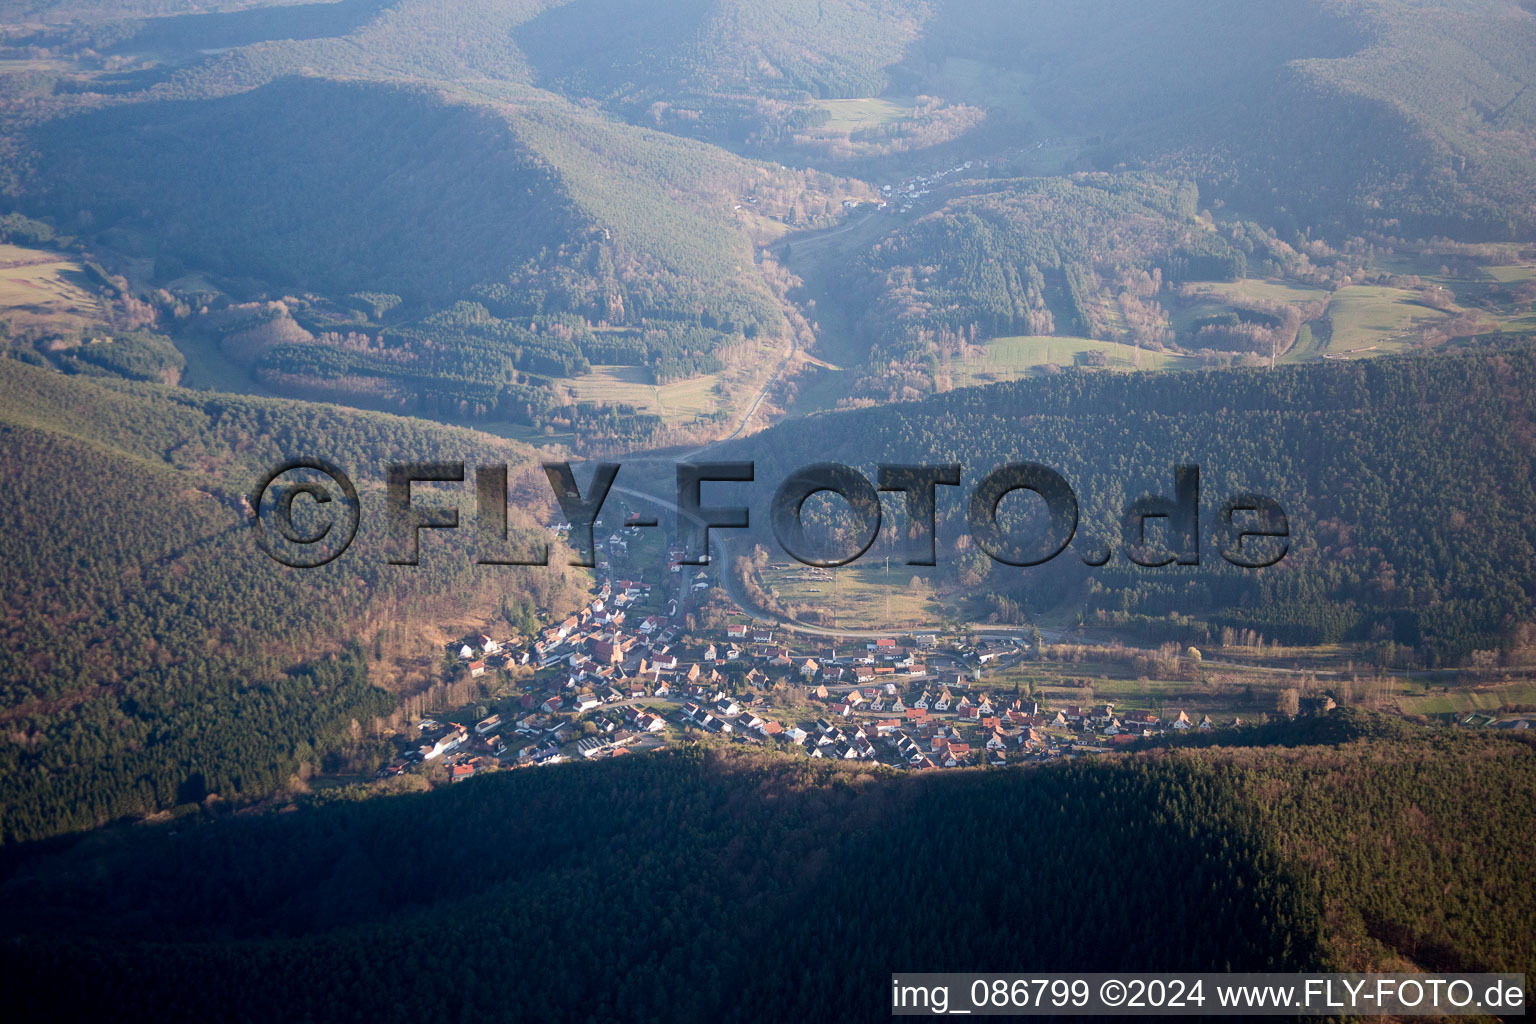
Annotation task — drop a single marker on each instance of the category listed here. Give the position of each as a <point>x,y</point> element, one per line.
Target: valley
<point>1293,245</point>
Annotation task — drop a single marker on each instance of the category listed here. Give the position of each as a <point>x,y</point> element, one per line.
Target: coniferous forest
<point>1408,482</point>
<point>712,884</point>
<point>474,254</point>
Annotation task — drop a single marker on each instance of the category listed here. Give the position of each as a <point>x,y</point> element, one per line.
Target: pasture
<point>861,595</point>
<point>866,112</point>
<point>44,292</point>
<point>1371,320</point>
<point>1517,273</point>
<point>632,385</point>
<point>1214,298</point>
<point>1021,356</point>
<point>1250,290</point>
<point>1462,699</point>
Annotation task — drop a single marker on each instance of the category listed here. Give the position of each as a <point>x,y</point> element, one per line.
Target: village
<point>628,674</point>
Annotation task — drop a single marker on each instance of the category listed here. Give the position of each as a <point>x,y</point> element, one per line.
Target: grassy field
<point>45,292</point>
<point>1254,289</point>
<point>1516,274</point>
<point>860,595</point>
<point>1458,700</point>
<point>1216,297</point>
<point>731,391</point>
<point>1015,357</point>
<point>631,385</point>
<point>867,112</point>
<point>1519,324</point>
<point>1370,320</point>
<point>1161,696</point>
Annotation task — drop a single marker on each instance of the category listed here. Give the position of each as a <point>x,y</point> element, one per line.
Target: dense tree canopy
<point>700,885</point>
<point>1407,484</point>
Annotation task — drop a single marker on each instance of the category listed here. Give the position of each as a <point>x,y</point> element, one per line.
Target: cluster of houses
<point>909,192</point>
<point>620,675</point>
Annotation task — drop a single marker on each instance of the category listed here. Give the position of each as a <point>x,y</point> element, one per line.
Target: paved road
<point>721,543</point>
<point>733,591</point>
<point>819,238</point>
<point>809,241</point>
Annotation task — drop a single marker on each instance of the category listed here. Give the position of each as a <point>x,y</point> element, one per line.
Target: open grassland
<point>1015,357</point>
<point>632,385</point>
<point>866,112</point>
<point>1371,320</point>
<point>1254,289</point>
<point>733,392</point>
<point>859,596</point>
<point>1223,691</point>
<point>44,292</point>
<point>1440,701</point>
<point>1161,696</point>
<point>22,65</point>
<point>1214,298</point>
<point>1518,273</point>
<point>1519,324</point>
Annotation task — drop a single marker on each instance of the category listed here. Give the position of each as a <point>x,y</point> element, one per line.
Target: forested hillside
<point>368,148</point>
<point>153,656</point>
<point>1422,110</point>
<point>1407,484</point>
<point>613,49</point>
<point>1412,117</point>
<point>1032,256</point>
<point>545,187</point>
<point>309,185</point>
<point>711,885</point>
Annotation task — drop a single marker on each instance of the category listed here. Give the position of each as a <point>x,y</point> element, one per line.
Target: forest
<point>708,884</point>
<point>524,238</point>
<point>790,232</point>
<point>153,656</point>
<point>1030,257</point>
<point>1407,483</point>
<point>584,159</point>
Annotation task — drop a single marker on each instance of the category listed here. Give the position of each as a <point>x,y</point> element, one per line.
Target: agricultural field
<point>1255,290</point>
<point>1522,324</point>
<point>1010,358</point>
<point>1457,700</point>
<point>1369,319</point>
<point>1518,273</point>
<point>1220,692</point>
<point>867,112</point>
<point>43,293</point>
<point>1214,298</point>
<point>730,392</point>
<point>631,385</point>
